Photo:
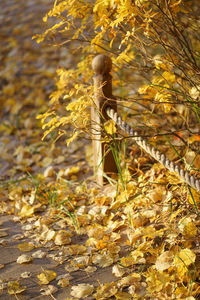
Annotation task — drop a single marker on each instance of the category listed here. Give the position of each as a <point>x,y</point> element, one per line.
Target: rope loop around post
<point>105,106</point>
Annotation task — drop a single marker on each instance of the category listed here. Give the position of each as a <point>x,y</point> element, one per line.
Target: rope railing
<point>105,103</point>
<point>156,154</point>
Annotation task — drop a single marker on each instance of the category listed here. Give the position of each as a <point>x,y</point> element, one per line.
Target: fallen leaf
<point>25,275</point>
<point>186,256</point>
<point>187,227</point>
<point>26,211</point>
<point>49,172</point>
<point>46,276</point>
<point>39,254</point>
<point>194,198</point>
<point>49,290</point>
<point>26,247</point>
<point>82,290</point>
<point>24,258</point>
<point>103,260</point>
<point>105,291</point>
<point>164,261</point>
<point>156,280</point>
<point>15,288</point>
<point>63,282</point>
<point>110,127</point>
<point>129,280</point>
<point>62,238</point>
<point>90,269</point>
<point>72,171</point>
<point>123,296</point>
<point>77,249</point>
<point>118,271</point>
<point>127,261</point>
<point>182,260</point>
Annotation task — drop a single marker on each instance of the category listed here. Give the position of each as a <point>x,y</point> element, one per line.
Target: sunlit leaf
<point>62,238</point>
<point>15,288</point>
<point>164,261</point>
<point>46,276</point>
<point>24,258</point>
<point>49,290</point>
<point>26,247</point>
<point>82,290</point>
<point>110,127</point>
<point>26,211</point>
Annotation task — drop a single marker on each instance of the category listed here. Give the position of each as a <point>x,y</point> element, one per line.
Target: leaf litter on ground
<point>145,235</point>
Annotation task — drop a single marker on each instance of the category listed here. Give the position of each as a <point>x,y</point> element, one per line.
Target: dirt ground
<point>26,80</point>
<point>12,270</point>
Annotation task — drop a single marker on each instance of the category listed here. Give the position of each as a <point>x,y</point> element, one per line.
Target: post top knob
<point>102,64</point>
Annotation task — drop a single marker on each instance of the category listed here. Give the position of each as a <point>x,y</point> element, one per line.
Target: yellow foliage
<point>183,260</point>
<point>15,288</point>
<point>156,280</point>
<point>135,33</point>
<point>46,276</point>
<point>110,127</point>
<point>26,247</point>
<point>194,198</point>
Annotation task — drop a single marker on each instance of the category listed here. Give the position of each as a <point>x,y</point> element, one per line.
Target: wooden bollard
<point>104,163</point>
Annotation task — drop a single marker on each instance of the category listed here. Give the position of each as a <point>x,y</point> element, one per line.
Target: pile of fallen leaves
<point>144,236</point>
<point>135,240</point>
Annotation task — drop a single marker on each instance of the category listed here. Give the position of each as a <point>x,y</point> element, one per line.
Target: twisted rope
<point>156,154</point>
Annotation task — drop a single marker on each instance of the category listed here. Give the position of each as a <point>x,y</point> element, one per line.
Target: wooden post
<point>104,162</point>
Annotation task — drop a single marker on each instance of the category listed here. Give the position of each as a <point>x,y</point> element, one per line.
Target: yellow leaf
<point>106,290</point>
<point>156,280</point>
<point>24,258</point>
<point>110,127</point>
<point>194,198</point>
<point>123,296</point>
<point>170,77</point>
<point>194,138</point>
<point>187,256</point>
<point>194,92</point>
<point>128,261</point>
<point>82,290</point>
<point>72,138</point>
<point>90,269</point>
<point>118,271</point>
<point>45,18</point>
<point>49,290</point>
<point>181,291</point>
<point>187,227</point>
<point>77,249</point>
<point>164,261</point>
<point>26,247</point>
<point>129,280</point>
<point>26,211</point>
<point>190,230</point>
<point>46,276</point>
<point>15,288</point>
<point>137,254</point>
<point>184,258</point>
<point>103,260</point>
<point>100,201</point>
<point>62,238</point>
<point>72,171</point>
<point>63,282</point>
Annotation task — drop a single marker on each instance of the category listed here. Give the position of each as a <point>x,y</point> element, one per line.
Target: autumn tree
<point>155,49</point>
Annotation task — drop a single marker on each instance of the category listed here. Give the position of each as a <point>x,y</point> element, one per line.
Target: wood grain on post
<point>104,162</point>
